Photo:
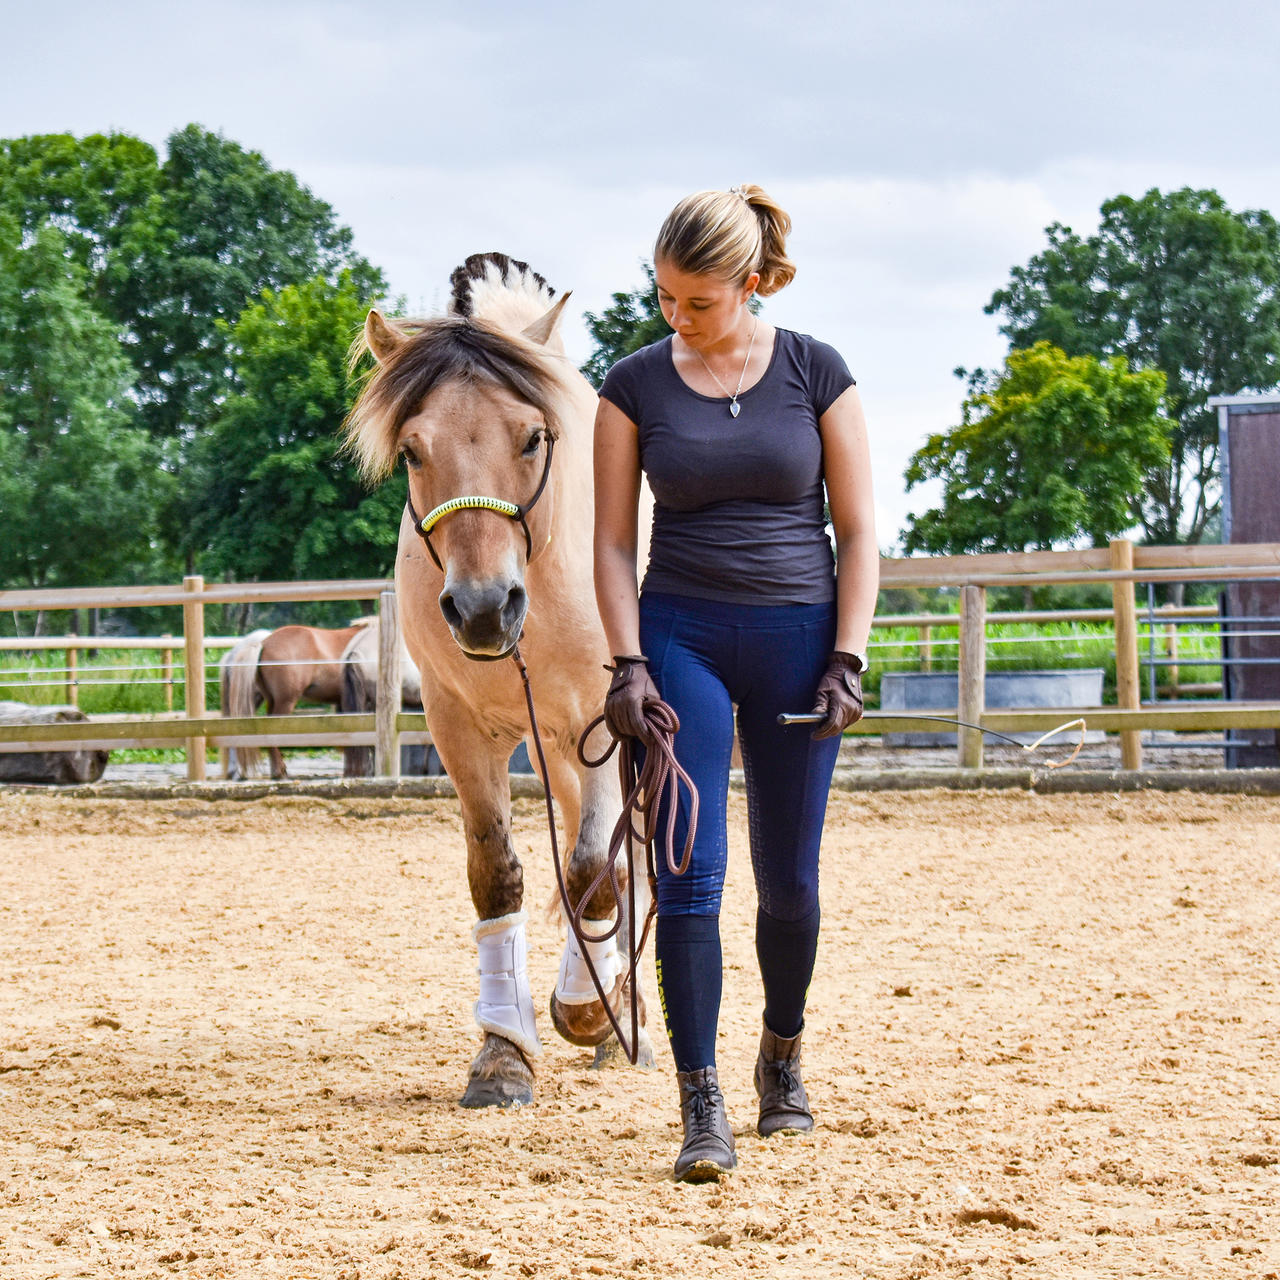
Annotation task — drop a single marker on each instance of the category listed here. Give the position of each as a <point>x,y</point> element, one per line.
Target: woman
<point>737,426</point>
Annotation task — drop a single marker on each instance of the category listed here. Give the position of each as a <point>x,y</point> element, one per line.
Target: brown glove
<point>631,690</point>
<point>839,696</point>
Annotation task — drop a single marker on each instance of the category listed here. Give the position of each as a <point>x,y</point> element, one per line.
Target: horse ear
<point>544,326</point>
<point>382,337</point>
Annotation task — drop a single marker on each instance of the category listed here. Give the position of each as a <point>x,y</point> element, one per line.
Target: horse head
<point>472,411</point>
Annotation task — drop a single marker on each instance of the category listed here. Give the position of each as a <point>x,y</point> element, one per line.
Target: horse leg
<point>609,1053</point>
<point>502,1073</point>
<point>279,704</point>
<point>589,803</point>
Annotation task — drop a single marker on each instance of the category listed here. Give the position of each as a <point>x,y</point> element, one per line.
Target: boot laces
<point>788,1081</point>
<point>702,1107</point>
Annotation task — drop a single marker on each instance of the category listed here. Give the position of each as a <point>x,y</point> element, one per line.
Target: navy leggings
<point>705,656</point>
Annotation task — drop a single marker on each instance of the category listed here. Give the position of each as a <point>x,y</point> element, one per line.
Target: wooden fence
<point>1119,567</point>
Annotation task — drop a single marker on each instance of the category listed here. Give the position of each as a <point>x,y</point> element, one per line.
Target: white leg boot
<point>505,1006</point>
<point>574,985</point>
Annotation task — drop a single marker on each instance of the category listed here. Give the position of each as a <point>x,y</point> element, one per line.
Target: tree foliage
<point>633,320</point>
<point>79,481</point>
<point>273,496</point>
<point>1173,281</point>
<point>124,276</point>
<point>175,247</point>
<point>1053,450</point>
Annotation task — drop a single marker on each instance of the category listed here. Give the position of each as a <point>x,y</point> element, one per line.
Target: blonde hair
<point>728,235</point>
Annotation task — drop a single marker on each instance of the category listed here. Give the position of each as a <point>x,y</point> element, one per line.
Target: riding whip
<point>813,717</point>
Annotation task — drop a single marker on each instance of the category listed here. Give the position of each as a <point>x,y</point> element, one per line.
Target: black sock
<point>786,950</point>
<point>687,956</point>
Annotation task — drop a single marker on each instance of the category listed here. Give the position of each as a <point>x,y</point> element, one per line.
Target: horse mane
<point>506,292</point>
<point>478,343</point>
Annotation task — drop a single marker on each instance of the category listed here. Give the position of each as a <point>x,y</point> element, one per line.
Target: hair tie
<point>741,194</point>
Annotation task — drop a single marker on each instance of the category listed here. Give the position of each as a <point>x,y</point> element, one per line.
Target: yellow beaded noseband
<point>512,510</point>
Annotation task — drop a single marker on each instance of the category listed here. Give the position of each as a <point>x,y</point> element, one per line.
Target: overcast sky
<point>921,147</point>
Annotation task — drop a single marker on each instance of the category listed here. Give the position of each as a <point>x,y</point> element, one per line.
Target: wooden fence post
<point>1128,680</point>
<point>1171,638</point>
<point>926,648</point>
<point>193,635</point>
<point>71,677</point>
<point>973,672</point>
<point>386,749</point>
<point>166,674</point>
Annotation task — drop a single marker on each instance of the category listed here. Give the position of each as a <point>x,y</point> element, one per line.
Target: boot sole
<point>704,1171</point>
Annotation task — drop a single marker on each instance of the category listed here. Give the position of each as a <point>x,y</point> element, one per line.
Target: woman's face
<point>703,310</point>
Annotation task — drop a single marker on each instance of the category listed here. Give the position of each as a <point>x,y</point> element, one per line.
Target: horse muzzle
<point>485,616</point>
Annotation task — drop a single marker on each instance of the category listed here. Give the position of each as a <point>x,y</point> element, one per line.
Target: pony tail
<point>776,269</point>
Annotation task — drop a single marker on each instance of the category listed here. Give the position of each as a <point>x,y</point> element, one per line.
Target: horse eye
<point>410,459</point>
<point>533,444</point>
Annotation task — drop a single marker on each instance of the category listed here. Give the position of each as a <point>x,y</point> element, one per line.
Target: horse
<point>360,690</point>
<point>290,665</point>
<point>494,425</point>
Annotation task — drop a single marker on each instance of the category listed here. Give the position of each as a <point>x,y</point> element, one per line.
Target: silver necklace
<point>734,407</point>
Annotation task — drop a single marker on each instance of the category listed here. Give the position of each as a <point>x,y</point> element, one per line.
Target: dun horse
<point>290,665</point>
<point>493,424</point>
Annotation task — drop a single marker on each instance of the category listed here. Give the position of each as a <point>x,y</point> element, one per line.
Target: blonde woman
<point>742,430</point>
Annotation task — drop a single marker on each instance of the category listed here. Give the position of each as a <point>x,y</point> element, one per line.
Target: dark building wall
<point>1251,513</point>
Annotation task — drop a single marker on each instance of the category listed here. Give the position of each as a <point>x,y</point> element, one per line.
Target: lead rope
<point>643,786</point>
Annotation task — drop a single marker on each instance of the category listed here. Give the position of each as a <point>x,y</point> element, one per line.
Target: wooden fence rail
<point>1117,566</point>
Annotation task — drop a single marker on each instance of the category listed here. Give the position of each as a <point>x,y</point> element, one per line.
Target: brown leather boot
<point>784,1105</point>
<point>707,1151</point>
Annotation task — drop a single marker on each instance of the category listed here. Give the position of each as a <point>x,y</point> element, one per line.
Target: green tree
<point>273,496</point>
<point>631,321</point>
<point>79,481</point>
<point>172,252</point>
<point>1176,282</point>
<point>1053,450</point>
<point>222,227</point>
<point>90,188</point>
<point>174,247</point>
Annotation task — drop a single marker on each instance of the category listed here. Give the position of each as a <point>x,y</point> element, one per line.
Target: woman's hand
<point>839,696</point>
<point>630,692</point>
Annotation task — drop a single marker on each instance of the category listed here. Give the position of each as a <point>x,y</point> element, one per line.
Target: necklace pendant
<point>734,408</point>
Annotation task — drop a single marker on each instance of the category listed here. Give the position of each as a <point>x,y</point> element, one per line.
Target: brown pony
<point>473,402</point>
<point>290,665</point>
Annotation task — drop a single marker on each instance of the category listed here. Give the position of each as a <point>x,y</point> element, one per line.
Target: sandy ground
<point>1042,1042</point>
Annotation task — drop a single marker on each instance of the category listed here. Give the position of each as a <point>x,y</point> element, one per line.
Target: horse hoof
<point>583,1024</point>
<point>500,1076</point>
<point>610,1054</point>
<point>497,1093</point>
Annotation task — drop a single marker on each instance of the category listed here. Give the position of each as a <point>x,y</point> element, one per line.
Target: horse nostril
<point>452,614</point>
<point>514,610</point>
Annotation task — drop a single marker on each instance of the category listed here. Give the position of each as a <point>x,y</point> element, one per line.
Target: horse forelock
<point>437,352</point>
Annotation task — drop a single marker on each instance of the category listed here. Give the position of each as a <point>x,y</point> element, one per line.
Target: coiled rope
<point>645,783</point>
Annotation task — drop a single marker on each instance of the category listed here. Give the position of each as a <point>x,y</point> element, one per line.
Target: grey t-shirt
<point>738,501</point>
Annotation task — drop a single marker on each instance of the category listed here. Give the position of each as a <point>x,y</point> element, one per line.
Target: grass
<point>1040,647</point>
<point>114,682</point>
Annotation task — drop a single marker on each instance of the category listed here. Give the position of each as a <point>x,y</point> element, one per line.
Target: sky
<point>920,147</point>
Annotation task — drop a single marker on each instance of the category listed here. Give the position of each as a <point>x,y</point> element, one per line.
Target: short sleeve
<point>621,386</point>
<point>829,376</point>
